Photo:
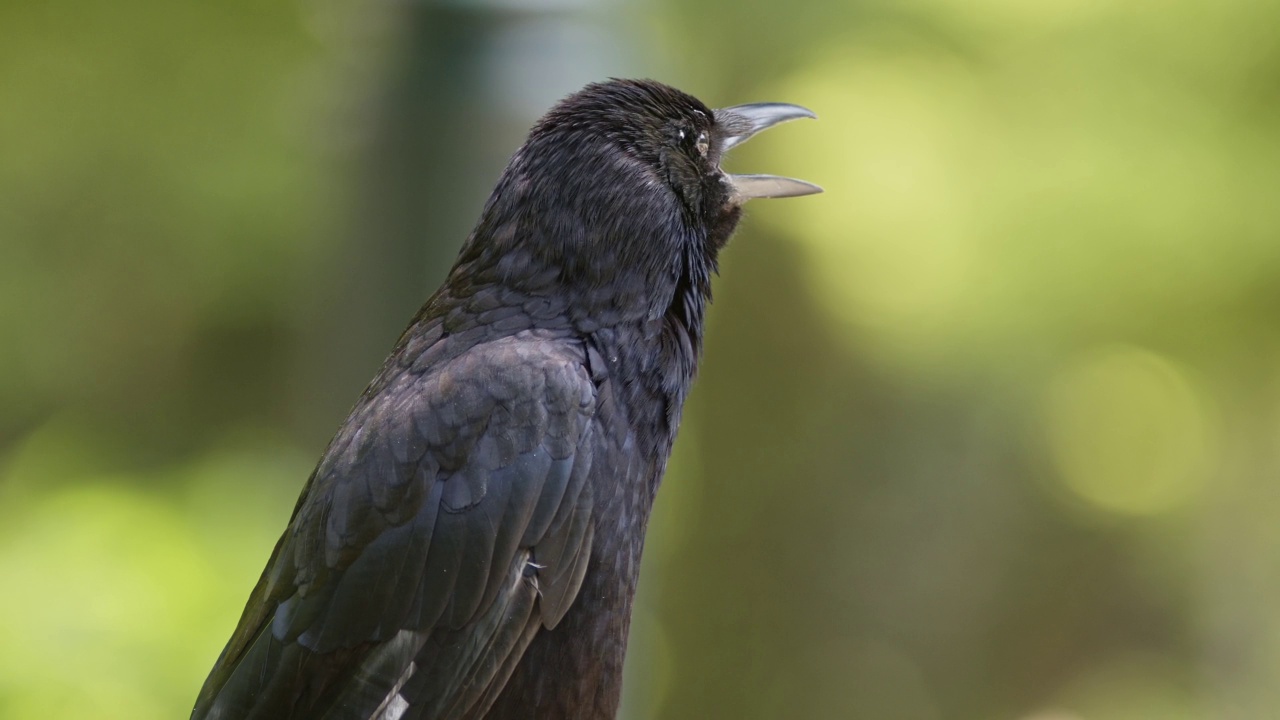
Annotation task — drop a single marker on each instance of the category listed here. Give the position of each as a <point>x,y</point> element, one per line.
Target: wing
<point>446,523</point>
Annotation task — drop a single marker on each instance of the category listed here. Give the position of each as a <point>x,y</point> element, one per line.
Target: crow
<point>468,545</point>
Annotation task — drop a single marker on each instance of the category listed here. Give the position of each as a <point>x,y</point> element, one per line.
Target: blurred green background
<point>990,430</point>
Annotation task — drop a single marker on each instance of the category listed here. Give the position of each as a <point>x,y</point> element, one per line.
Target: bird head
<point>623,180</point>
<point>668,144</point>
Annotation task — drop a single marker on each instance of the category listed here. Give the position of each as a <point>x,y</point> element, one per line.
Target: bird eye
<point>687,140</point>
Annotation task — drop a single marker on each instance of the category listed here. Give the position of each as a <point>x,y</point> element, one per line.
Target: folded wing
<point>446,524</point>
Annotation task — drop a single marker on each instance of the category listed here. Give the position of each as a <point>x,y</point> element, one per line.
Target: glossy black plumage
<point>468,545</point>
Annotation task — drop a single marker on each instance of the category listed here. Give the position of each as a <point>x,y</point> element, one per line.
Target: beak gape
<point>743,121</point>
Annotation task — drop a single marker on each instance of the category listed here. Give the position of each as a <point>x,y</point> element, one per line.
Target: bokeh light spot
<point>1128,432</point>
<point>95,573</point>
<point>891,244</point>
<point>1131,686</point>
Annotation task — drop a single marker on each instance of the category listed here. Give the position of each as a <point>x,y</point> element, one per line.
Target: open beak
<point>740,122</point>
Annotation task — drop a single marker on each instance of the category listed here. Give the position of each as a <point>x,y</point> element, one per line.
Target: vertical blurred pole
<point>458,85</point>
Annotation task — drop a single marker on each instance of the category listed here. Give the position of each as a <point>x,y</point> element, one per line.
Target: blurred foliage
<point>989,430</point>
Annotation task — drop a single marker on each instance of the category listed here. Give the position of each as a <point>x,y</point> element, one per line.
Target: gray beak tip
<point>740,123</point>
<point>748,187</point>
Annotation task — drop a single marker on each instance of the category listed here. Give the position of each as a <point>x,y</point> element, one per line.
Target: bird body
<point>469,544</point>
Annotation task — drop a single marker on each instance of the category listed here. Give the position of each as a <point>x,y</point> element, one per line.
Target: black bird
<point>469,543</point>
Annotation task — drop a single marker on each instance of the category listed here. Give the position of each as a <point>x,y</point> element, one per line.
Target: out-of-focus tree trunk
<point>450,99</point>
